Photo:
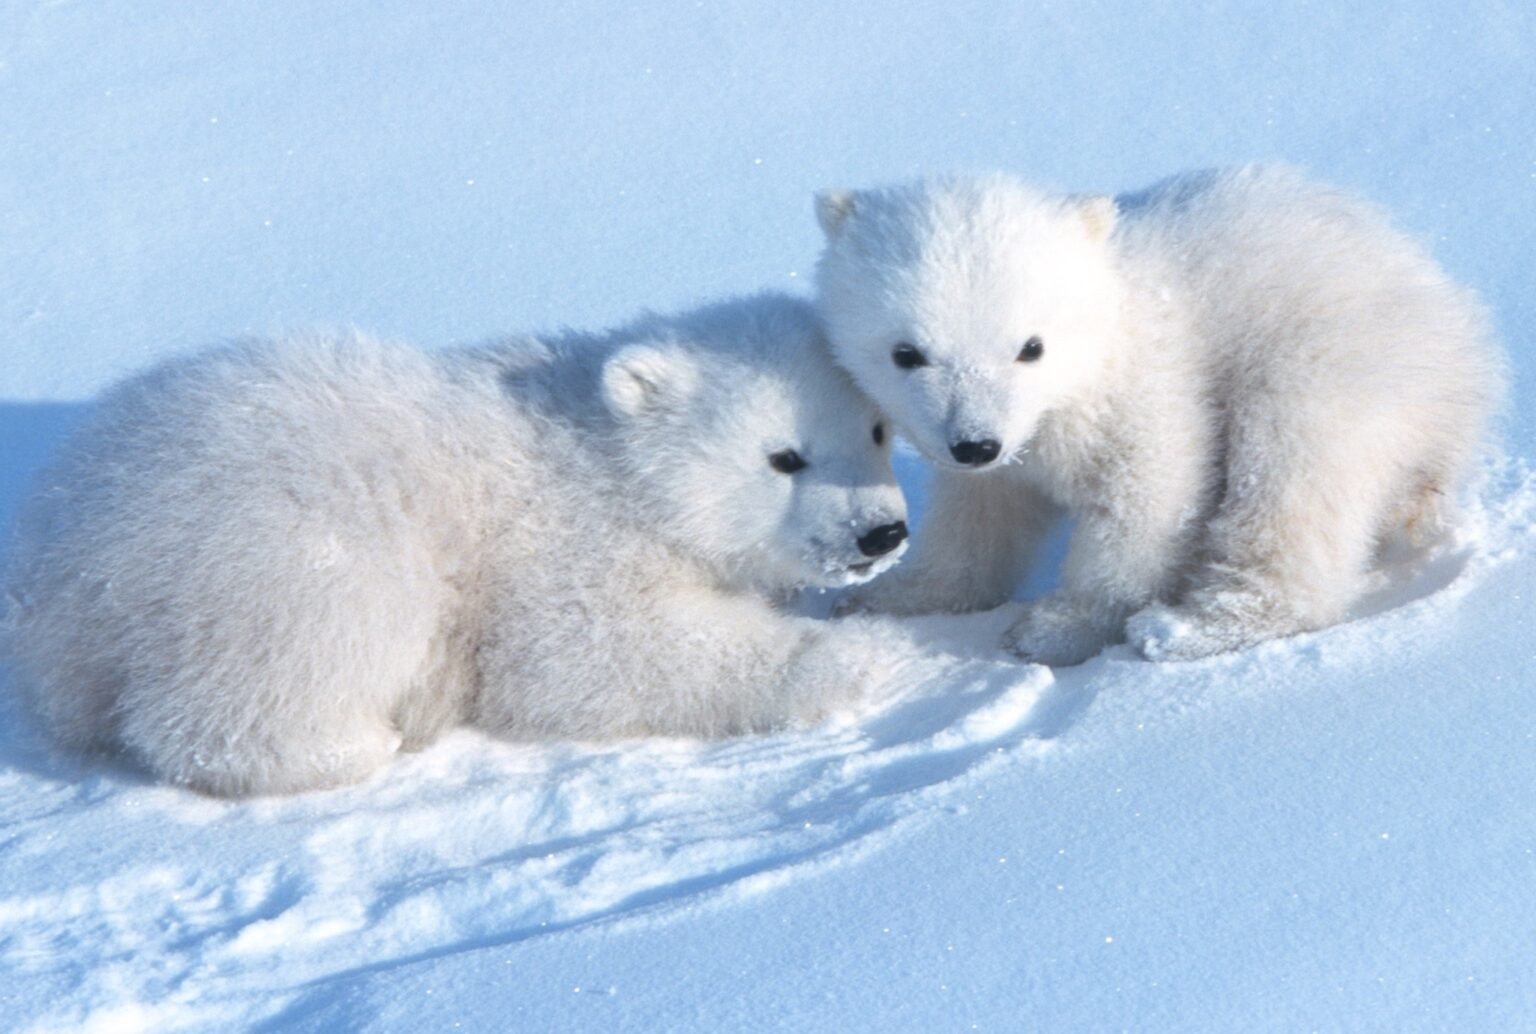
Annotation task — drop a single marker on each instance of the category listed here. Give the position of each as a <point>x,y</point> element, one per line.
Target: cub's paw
<point>1163,633</point>
<point>1056,633</point>
<point>860,659</point>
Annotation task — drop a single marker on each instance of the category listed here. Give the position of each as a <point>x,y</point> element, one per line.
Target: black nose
<point>883,539</point>
<point>976,454</point>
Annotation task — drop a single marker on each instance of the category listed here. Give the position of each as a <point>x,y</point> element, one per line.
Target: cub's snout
<point>976,453</point>
<point>880,541</point>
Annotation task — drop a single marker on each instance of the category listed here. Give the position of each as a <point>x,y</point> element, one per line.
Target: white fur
<point>1247,378</point>
<point>266,567</point>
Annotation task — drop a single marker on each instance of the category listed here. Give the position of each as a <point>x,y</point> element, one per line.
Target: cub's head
<point>748,448</point>
<point>967,308</point>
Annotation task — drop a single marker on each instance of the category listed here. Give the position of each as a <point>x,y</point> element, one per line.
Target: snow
<point>1336,832</point>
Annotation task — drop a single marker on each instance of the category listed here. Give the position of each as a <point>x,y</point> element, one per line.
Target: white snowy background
<point>1332,833</point>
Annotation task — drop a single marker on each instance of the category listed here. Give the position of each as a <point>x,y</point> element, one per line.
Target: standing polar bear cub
<point>268,567</point>
<point>1235,382</point>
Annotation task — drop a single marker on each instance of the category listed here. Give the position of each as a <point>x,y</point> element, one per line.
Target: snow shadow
<point>29,432</point>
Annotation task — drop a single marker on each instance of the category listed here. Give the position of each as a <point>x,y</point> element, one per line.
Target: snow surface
<point>1336,832</point>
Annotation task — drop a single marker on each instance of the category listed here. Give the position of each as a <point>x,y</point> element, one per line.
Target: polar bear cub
<point>267,567</point>
<point>1234,381</point>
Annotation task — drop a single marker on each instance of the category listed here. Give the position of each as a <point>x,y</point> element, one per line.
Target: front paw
<point>1189,633</point>
<point>1057,633</point>
<point>856,661</point>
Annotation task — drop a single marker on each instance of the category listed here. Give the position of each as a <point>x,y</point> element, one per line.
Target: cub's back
<point>1293,283</point>
<point>294,425</point>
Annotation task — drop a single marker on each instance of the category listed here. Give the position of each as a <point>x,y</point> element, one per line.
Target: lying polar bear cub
<point>267,567</point>
<point>1235,381</point>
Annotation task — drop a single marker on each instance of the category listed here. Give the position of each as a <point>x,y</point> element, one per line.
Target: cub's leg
<point>681,661</point>
<point>1289,546</point>
<point>1137,515</point>
<point>279,683</point>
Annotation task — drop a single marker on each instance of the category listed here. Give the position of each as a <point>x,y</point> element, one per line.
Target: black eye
<point>1033,349</point>
<point>786,461</point>
<point>879,434</point>
<point>908,357</point>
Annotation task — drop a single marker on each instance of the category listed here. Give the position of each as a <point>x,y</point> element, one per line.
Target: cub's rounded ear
<point>833,207</point>
<point>645,378</point>
<point>1098,213</point>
